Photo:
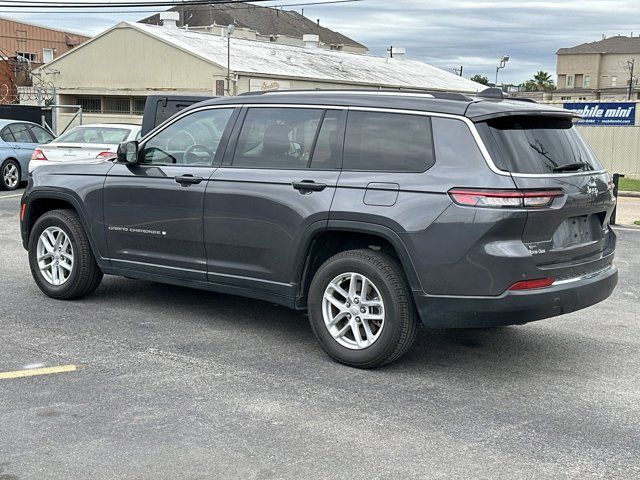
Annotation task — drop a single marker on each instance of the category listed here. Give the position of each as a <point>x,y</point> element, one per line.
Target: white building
<point>111,74</point>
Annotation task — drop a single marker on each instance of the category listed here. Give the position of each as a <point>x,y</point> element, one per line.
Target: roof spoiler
<point>493,92</point>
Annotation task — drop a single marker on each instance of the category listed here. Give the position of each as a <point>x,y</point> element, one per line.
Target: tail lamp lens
<point>106,154</point>
<point>504,198</point>
<point>531,284</point>
<point>38,155</point>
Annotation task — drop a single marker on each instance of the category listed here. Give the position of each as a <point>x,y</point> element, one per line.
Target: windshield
<point>106,135</point>
<point>521,144</point>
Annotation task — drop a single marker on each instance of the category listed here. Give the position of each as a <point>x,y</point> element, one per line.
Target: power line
<point>154,3</point>
<point>206,7</point>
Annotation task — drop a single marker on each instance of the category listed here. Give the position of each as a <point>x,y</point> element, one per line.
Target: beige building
<point>598,70</point>
<point>111,74</point>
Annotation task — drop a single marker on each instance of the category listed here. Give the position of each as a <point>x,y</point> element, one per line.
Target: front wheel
<point>361,309</point>
<point>60,256</point>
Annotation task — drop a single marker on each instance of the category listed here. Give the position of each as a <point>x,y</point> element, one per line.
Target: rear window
<point>390,142</point>
<point>94,135</point>
<point>521,144</point>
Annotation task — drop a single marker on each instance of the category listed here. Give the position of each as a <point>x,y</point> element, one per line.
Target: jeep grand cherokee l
<point>372,210</point>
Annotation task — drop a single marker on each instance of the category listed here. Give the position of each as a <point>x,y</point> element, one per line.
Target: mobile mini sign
<point>604,114</point>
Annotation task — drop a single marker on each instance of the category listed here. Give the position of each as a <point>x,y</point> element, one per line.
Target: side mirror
<point>128,152</point>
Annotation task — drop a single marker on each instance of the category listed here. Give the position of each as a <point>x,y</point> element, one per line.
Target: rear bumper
<point>516,307</point>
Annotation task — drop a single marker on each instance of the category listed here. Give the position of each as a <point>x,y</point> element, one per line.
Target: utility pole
<point>230,30</point>
<point>630,65</point>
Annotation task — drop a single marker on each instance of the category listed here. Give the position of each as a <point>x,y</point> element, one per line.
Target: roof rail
<point>414,93</point>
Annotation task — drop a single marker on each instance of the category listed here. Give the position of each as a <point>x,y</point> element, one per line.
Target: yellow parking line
<point>37,371</point>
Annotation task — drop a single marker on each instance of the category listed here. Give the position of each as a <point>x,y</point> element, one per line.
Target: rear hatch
<point>571,237</point>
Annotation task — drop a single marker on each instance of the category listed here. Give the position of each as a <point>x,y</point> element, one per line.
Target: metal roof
<point>289,61</point>
<point>264,20</point>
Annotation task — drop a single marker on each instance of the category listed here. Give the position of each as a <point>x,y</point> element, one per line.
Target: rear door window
<point>21,133</point>
<point>279,138</point>
<point>521,144</point>
<point>393,142</point>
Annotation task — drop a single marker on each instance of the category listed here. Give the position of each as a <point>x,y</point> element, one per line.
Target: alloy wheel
<point>55,255</point>
<point>353,311</point>
<point>10,175</point>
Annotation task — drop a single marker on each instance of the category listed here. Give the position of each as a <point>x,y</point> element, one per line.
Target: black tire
<point>401,318</point>
<point>85,274</point>
<point>3,183</point>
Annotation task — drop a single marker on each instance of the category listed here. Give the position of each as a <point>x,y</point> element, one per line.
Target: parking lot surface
<point>179,383</point>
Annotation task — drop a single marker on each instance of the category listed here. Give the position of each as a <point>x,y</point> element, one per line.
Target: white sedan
<point>85,142</point>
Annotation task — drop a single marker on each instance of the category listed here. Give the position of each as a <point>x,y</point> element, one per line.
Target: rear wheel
<point>10,175</point>
<point>361,310</point>
<point>60,257</point>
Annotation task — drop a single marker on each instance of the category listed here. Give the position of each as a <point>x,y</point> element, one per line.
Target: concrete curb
<point>624,193</point>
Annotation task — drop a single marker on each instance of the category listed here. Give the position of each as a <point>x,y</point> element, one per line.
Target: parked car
<point>17,141</point>
<point>85,142</point>
<point>371,210</point>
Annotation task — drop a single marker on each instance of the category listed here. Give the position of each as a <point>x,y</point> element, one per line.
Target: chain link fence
<point>617,148</point>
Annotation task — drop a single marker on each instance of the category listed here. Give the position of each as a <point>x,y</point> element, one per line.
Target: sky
<point>444,33</point>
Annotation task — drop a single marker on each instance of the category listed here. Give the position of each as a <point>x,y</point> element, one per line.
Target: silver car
<point>85,142</point>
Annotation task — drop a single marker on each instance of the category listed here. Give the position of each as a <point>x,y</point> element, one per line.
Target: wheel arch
<point>40,202</point>
<point>339,236</point>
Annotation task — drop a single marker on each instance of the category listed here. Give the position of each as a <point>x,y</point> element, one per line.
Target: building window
<point>586,82</point>
<point>570,81</point>
<point>614,81</point>
<point>90,104</point>
<point>32,57</point>
<point>116,105</point>
<point>137,105</point>
<point>565,98</point>
<point>47,55</point>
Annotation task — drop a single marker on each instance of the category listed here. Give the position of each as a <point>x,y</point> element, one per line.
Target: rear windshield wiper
<point>571,167</point>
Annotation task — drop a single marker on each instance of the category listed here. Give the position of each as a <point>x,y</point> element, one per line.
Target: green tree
<point>480,79</point>
<point>541,82</point>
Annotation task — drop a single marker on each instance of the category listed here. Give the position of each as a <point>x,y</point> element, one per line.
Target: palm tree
<point>541,82</point>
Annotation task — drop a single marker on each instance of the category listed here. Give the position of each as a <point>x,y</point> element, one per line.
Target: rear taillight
<point>106,154</point>
<point>504,198</point>
<point>38,155</point>
<point>23,210</point>
<point>531,284</point>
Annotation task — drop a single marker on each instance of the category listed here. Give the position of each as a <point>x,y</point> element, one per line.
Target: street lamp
<point>503,62</point>
<point>230,29</point>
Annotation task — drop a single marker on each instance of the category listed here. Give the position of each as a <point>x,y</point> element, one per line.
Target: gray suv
<point>371,210</point>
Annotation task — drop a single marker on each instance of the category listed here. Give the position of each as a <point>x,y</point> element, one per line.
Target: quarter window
<point>277,138</point>
<point>40,134</point>
<point>393,142</point>
<point>192,140</point>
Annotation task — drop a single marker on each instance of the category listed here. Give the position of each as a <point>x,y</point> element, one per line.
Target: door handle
<point>188,179</point>
<point>309,186</point>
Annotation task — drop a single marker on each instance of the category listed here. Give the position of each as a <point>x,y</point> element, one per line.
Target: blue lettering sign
<point>604,114</point>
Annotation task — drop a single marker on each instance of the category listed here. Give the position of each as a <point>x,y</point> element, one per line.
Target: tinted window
<point>535,145</point>
<point>20,133</point>
<point>326,152</point>
<point>7,136</point>
<point>277,138</point>
<point>40,134</point>
<point>455,146</point>
<point>192,140</point>
<point>388,141</point>
<point>102,135</point>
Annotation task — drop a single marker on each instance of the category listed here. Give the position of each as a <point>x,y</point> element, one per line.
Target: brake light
<point>106,154</point>
<point>38,155</point>
<point>504,198</point>
<point>531,284</point>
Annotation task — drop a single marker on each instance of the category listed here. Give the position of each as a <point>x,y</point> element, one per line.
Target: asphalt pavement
<point>179,383</point>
